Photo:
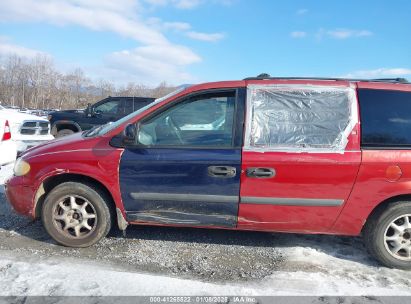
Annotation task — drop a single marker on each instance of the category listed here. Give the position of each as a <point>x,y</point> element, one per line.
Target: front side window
<point>110,107</point>
<point>299,117</point>
<point>104,129</point>
<point>385,118</point>
<point>201,121</point>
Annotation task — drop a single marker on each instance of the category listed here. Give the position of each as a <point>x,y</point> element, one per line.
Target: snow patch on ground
<point>345,273</point>
<point>274,264</point>
<point>65,277</point>
<point>5,173</point>
<point>70,277</point>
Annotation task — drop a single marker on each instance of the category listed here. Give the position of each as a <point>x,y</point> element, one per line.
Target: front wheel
<point>76,214</point>
<point>387,235</point>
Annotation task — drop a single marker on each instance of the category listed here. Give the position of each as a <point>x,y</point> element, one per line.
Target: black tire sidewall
<point>377,232</point>
<point>64,132</point>
<point>102,212</point>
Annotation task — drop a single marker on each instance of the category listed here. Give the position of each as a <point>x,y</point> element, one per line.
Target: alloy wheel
<point>75,216</point>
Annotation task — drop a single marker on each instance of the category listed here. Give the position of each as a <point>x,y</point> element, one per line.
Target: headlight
<point>21,167</point>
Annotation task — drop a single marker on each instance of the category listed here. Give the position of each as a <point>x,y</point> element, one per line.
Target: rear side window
<point>385,118</point>
<point>138,104</point>
<point>128,106</point>
<point>299,117</point>
<point>133,104</point>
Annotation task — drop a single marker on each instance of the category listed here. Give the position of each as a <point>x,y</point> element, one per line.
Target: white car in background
<point>26,130</point>
<point>8,148</point>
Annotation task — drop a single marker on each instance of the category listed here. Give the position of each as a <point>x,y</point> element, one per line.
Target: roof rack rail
<point>400,80</point>
<point>388,80</point>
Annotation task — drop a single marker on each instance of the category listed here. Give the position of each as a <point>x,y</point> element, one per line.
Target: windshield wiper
<point>93,131</point>
<point>97,130</point>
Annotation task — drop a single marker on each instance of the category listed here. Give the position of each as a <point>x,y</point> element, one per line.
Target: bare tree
<point>36,83</point>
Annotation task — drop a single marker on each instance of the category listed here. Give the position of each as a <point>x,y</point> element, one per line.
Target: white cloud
<point>152,64</point>
<point>155,56</point>
<point>96,15</point>
<point>379,73</point>
<point>180,4</point>
<point>210,37</point>
<point>301,11</point>
<point>343,33</point>
<point>185,28</point>
<point>8,48</point>
<point>298,34</point>
<point>186,4</point>
<point>178,26</point>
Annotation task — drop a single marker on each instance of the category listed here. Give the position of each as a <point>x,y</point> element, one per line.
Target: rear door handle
<point>260,172</point>
<point>221,171</point>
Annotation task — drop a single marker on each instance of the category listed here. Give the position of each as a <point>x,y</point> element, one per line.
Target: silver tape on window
<point>302,118</point>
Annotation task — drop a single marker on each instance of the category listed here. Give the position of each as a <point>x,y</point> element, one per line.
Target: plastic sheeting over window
<point>301,118</point>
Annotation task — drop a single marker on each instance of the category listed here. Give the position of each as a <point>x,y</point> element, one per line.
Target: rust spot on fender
<point>393,173</point>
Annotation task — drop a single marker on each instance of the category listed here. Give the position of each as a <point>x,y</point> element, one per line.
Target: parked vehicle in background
<point>27,130</point>
<point>107,110</point>
<point>11,108</point>
<point>40,113</point>
<point>268,154</point>
<point>8,148</point>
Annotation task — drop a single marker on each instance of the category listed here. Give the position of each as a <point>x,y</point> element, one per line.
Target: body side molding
<point>185,197</point>
<point>292,201</point>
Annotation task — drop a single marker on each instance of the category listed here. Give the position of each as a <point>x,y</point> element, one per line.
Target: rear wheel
<point>387,235</point>
<point>64,132</point>
<point>76,214</point>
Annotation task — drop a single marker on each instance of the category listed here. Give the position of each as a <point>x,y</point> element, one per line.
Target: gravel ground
<point>307,264</point>
<point>206,254</point>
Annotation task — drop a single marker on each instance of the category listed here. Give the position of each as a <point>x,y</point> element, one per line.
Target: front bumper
<point>26,142</point>
<point>20,195</point>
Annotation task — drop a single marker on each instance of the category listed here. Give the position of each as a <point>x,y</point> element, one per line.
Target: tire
<point>69,224</point>
<point>381,238</point>
<point>64,132</point>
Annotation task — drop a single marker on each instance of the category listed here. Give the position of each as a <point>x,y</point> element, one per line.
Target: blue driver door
<point>184,168</point>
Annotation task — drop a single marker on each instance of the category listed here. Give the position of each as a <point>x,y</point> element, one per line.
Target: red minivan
<point>301,155</point>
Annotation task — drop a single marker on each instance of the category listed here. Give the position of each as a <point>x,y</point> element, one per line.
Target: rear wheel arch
<point>388,244</point>
<point>379,208</point>
<point>62,125</point>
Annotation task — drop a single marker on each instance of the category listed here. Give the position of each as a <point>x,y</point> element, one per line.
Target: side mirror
<point>89,110</point>
<point>129,134</point>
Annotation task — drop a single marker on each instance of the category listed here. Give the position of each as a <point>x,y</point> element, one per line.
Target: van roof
<point>265,76</point>
<point>397,84</point>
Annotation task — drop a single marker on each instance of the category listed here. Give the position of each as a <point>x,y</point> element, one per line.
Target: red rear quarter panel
<point>373,186</point>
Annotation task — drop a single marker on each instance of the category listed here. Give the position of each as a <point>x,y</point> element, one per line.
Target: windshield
<point>104,129</point>
<point>1,108</point>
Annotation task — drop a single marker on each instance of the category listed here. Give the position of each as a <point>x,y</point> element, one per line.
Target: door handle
<point>260,172</point>
<point>222,171</point>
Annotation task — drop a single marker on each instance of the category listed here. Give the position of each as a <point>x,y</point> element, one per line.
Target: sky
<point>192,41</point>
